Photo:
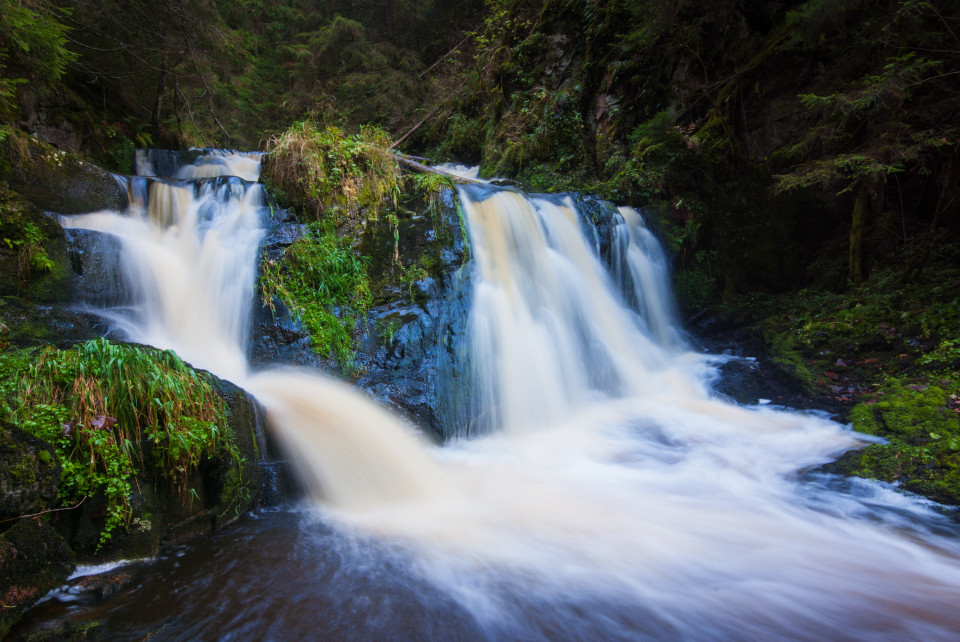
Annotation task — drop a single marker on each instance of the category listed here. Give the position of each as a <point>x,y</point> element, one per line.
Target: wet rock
<point>232,486</point>
<point>32,324</point>
<point>34,559</point>
<point>29,473</point>
<point>279,338</point>
<point>167,162</point>
<point>33,254</point>
<point>95,262</point>
<point>280,237</point>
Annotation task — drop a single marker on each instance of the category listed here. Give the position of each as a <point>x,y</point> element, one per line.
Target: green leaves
<point>114,411</point>
<point>33,48</point>
<point>325,284</point>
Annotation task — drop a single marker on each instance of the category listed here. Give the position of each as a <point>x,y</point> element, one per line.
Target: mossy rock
<point>34,559</point>
<point>57,181</point>
<point>233,486</point>
<point>33,250</point>
<point>29,472</point>
<point>223,488</point>
<point>922,454</point>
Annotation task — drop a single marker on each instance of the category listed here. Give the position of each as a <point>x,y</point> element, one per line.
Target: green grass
<point>114,412</point>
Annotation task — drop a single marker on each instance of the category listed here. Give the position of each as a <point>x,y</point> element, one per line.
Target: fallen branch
<point>423,169</point>
<point>443,57</point>
<point>415,127</point>
<point>44,512</point>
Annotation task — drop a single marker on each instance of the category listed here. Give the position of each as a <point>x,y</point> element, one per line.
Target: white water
<point>612,477</point>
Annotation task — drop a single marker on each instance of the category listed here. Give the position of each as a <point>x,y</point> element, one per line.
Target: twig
<point>443,57</point>
<point>44,512</point>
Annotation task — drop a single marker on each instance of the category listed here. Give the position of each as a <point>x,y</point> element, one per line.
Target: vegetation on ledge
<point>365,243</point>
<point>115,413</point>
<point>324,282</point>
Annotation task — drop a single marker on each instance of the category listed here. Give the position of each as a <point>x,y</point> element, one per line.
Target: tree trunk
<point>388,18</point>
<point>946,202</point>
<point>158,103</point>
<point>861,210</point>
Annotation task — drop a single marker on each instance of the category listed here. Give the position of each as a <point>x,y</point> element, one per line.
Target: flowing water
<point>598,491</point>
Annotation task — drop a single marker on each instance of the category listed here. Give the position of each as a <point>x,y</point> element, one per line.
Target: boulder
<point>55,180</point>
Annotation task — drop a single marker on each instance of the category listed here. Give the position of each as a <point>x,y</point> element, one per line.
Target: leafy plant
<point>114,411</point>
<point>33,48</point>
<point>324,282</point>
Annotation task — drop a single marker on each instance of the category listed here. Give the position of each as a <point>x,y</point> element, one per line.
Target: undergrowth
<point>889,350</point>
<point>114,412</point>
<point>324,282</point>
<point>328,174</point>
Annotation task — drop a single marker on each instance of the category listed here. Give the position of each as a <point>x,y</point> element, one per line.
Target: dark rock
<point>95,260</point>
<point>223,488</point>
<point>29,473</point>
<point>751,375</point>
<point>27,236</point>
<point>167,162</point>
<point>279,238</point>
<point>279,338</point>
<point>232,486</point>
<point>33,560</point>
<point>58,181</point>
<point>31,324</point>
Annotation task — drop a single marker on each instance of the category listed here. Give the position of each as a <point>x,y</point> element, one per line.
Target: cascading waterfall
<point>548,330</point>
<point>189,257</point>
<point>604,494</point>
<point>189,249</point>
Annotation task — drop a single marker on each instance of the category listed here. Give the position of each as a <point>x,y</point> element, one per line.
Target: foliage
<point>33,49</point>
<point>889,352</point>
<point>228,74</point>
<point>837,153</point>
<point>31,254</point>
<point>114,411</point>
<point>326,172</point>
<point>324,283</point>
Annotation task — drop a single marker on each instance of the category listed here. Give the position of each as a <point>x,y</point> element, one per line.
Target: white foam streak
<point>191,262</point>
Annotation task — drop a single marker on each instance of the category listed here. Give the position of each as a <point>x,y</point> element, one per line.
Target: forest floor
<point>883,355</point>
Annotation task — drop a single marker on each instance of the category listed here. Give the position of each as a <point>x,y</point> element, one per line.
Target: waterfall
<point>601,484</point>
<point>548,329</point>
<point>189,253</point>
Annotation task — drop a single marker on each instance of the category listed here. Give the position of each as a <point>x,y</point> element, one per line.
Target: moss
<point>33,560</point>
<point>886,351</point>
<point>33,254</point>
<point>29,473</point>
<point>330,175</point>
<point>54,180</point>
<point>324,282</point>
<point>923,432</point>
<point>70,632</point>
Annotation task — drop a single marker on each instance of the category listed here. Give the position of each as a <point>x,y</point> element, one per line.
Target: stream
<point>595,488</point>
